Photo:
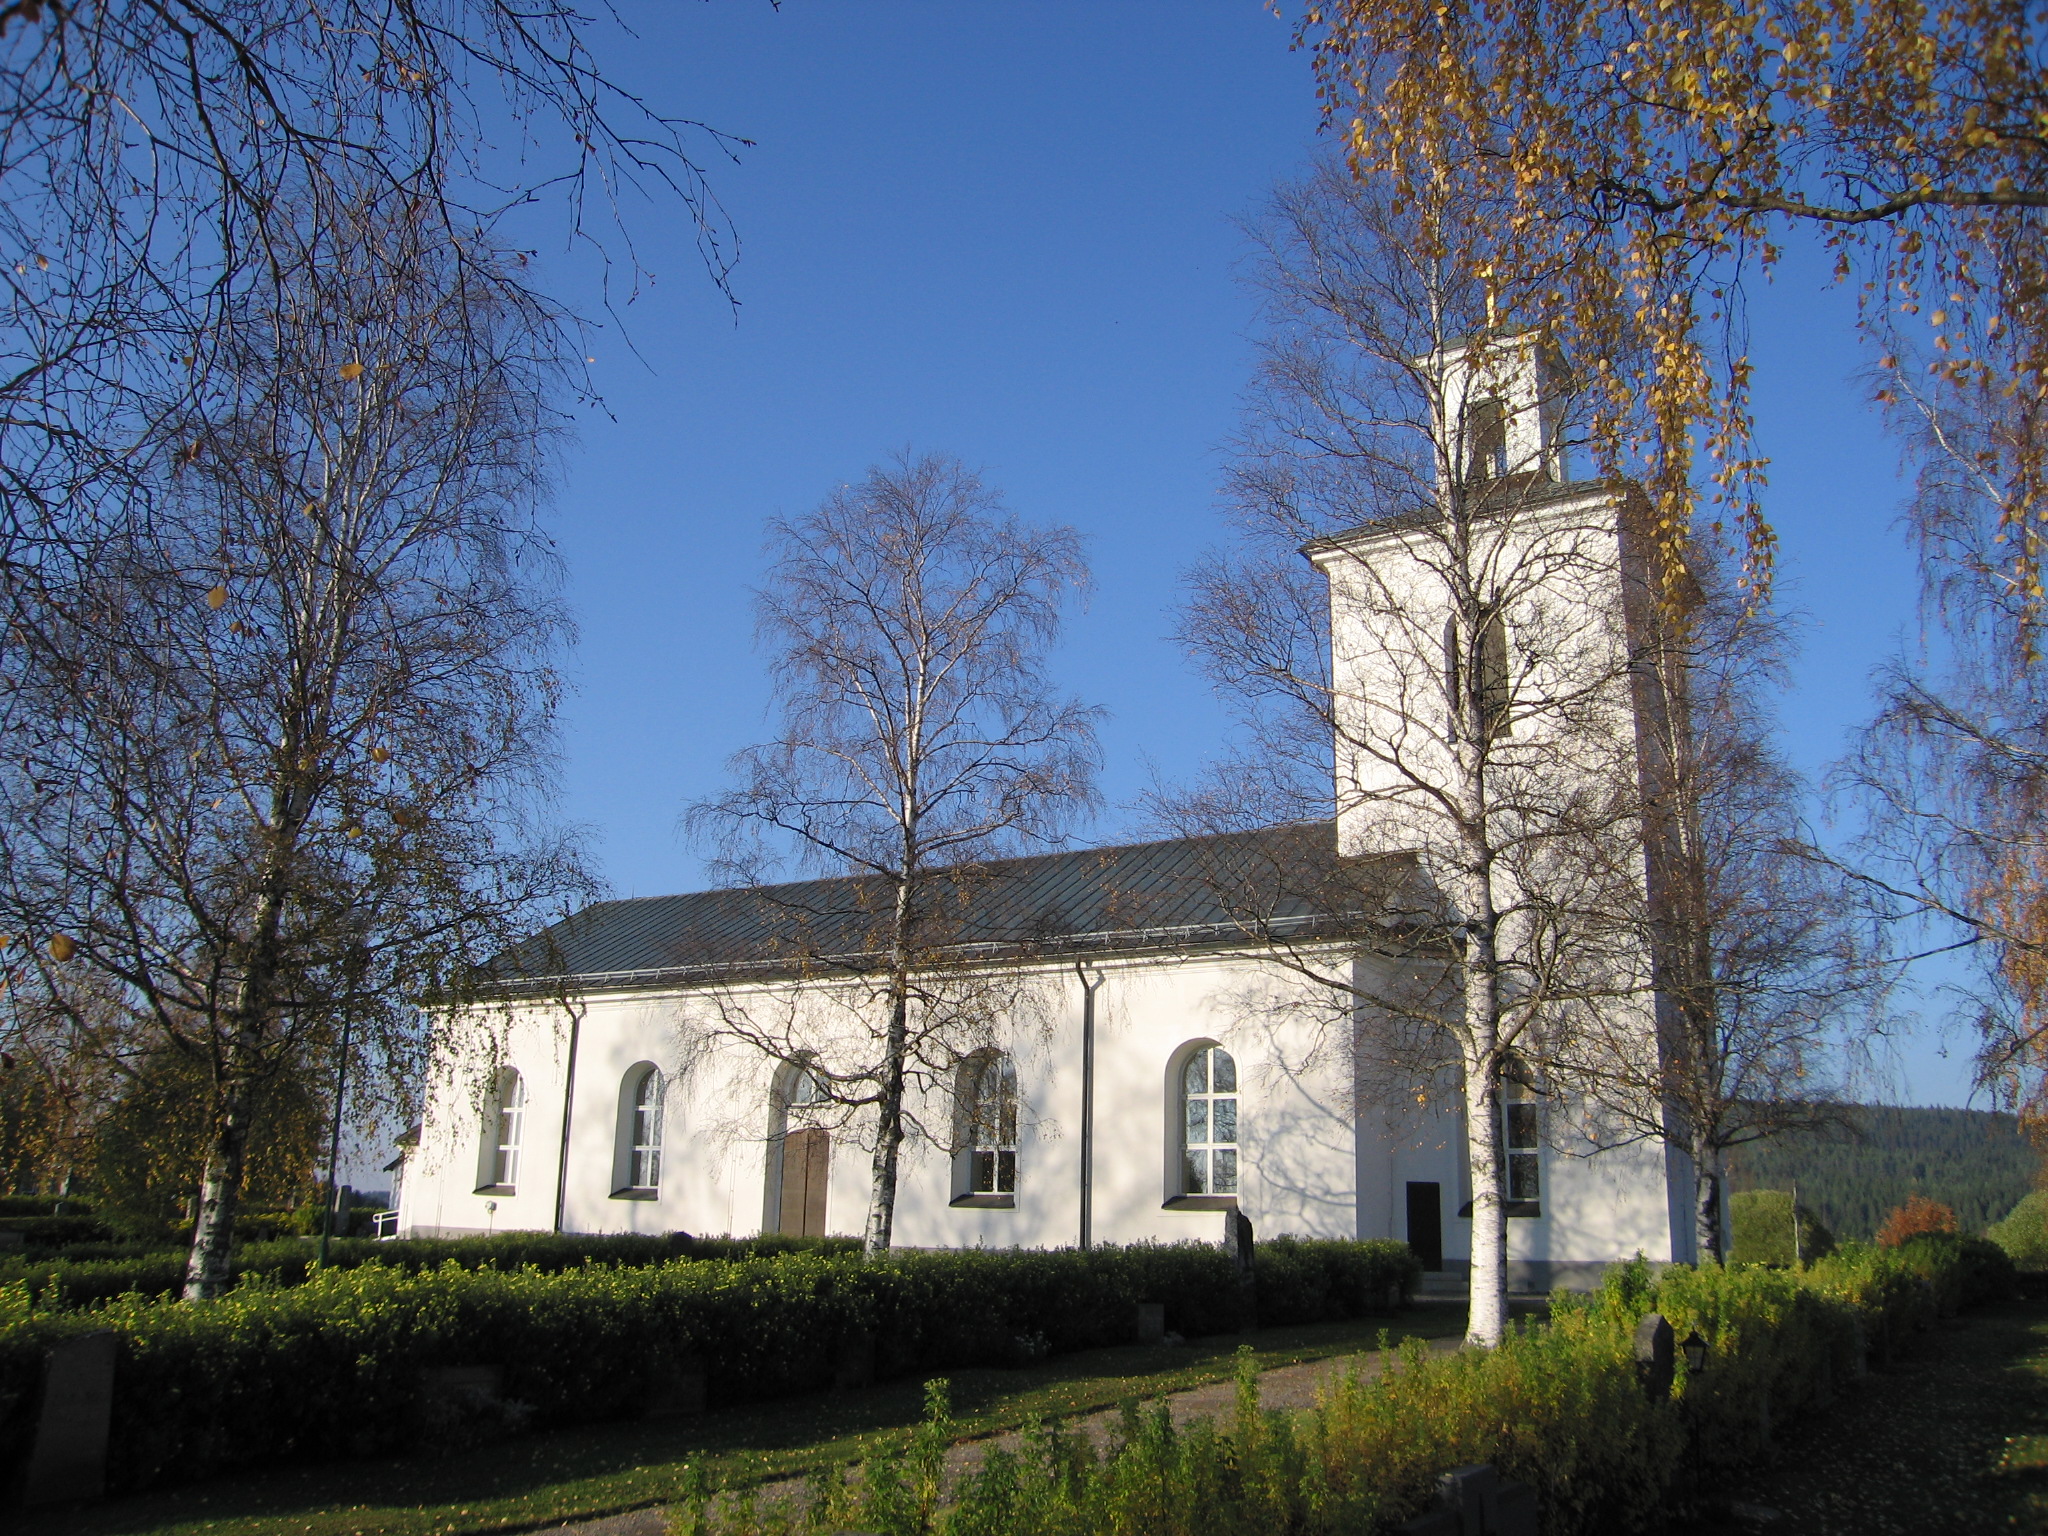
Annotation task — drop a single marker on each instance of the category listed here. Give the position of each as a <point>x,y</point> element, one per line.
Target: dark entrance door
<point>1426,1224</point>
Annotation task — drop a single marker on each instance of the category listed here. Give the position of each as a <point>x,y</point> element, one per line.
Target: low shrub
<point>2023,1235</point>
<point>336,1365</point>
<point>1557,1405</point>
<point>1917,1217</point>
<point>1760,1228</point>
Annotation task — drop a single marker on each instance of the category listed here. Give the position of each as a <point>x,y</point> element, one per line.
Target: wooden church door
<point>806,1162</point>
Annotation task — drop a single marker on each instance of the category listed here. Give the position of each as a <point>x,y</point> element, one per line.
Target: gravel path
<point>1287,1386</point>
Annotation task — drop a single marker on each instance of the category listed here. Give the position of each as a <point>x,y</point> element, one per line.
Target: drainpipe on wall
<point>1087,1104</point>
<point>568,1101</point>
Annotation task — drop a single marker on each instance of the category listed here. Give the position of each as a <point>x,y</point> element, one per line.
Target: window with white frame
<point>1209,1123</point>
<point>1521,1115</point>
<point>504,1128</point>
<point>644,1172</point>
<point>992,1126</point>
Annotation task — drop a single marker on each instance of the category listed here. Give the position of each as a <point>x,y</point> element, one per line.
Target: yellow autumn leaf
<point>351,370</point>
<point>380,754</point>
<point>61,947</point>
<point>217,598</point>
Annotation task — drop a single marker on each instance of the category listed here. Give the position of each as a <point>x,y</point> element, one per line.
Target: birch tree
<point>908,621</point>
<point>1950,773</point>
<point>1647,158</point>
<point>157,155</point>
<point>284,743</point>
<point>1490,645</point>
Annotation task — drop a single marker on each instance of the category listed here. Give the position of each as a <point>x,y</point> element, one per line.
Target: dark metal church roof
<point>1277,882</point>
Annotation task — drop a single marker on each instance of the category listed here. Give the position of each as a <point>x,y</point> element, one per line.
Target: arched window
<point>647,1133</point>
<point>1486,441</point>
<point>991,1103</point>
<point>636,1166</point>
<point>504,1124</point>
<point>802,1089</point>
<point>1208,1094</point>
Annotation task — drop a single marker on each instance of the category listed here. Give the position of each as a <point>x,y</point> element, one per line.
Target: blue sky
<point>1004,230</point>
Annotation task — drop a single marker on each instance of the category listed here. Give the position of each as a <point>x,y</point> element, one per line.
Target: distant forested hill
<point>1971,1159</point>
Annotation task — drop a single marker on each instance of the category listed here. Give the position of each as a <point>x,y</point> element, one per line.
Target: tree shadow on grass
<point>540,1479</point>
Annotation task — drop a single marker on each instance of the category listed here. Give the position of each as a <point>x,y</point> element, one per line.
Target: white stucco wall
<point>1311,1164</point>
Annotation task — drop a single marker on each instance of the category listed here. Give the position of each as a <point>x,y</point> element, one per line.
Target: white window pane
<point>1198,1173</point>
<point>1226,1172</point>
<point>1198,1122</point>
<point>1195,1075</point>
<point>1225,1080</point>
<point>1522,1124</point>
<point>1224,1121</point>
<point>1523,1178</point>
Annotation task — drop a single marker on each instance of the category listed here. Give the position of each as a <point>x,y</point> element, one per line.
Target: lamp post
<point>334,1138</point>
<point>1694,1350</point>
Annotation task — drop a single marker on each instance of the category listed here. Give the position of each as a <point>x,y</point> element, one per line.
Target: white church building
<point>1169,1061</point>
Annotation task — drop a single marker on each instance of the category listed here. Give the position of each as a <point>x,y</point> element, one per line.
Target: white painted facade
<point>1318,1154</point>
<point>1312,1163</point>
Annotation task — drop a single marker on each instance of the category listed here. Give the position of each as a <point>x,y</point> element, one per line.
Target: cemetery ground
<point>539,1481</point>
<point>1951,1437</point>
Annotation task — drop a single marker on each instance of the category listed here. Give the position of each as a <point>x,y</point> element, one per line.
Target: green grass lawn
<point>540,1480</point>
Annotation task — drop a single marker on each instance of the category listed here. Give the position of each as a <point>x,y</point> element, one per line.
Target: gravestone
<point>1151,1322</point>
<point>1237,1242</point>
<point>454,1381</point>
<point>1655,1357</point>
<point>1477,1501</point>
<point>1513,1511</point>
<point>680,1393</point>
<point>855,1366</point>
<point>69,1458</point>
<point>1465,1491</point>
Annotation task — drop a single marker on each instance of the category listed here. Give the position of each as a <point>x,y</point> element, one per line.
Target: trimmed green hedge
<point>58,1231</point>
<point>336,1365</point>
<point>1558,1405</point>
<point>95,1277</point>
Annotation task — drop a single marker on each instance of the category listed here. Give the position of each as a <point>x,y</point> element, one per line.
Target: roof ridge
<point>1007,859</point>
